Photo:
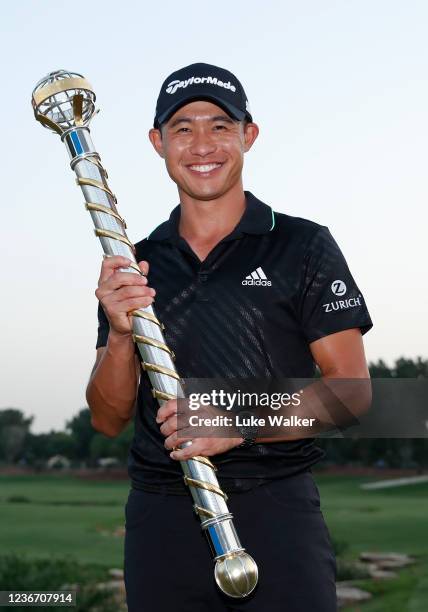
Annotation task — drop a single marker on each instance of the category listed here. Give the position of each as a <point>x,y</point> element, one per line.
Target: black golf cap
<point>201,82</point>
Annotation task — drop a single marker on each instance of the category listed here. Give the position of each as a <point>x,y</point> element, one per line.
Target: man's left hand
<point>167,418</point>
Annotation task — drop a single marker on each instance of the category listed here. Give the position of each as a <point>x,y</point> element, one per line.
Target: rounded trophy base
<point>236,574</point>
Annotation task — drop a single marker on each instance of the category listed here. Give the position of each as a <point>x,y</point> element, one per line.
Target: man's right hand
<point>122,292</point>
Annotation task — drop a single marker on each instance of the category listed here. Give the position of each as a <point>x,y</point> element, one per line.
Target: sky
<point>339,91</point>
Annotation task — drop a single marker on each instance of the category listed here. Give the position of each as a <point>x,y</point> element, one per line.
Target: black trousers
<point>168,564</point>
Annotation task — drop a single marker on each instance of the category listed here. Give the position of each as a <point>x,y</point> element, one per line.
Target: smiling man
<point>242,291</point>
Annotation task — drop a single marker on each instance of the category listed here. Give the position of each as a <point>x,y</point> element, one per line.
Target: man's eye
<point>219,127</point>
<point>183,129</point>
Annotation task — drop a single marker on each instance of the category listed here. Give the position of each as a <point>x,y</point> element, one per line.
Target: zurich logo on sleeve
<point>338,287</point>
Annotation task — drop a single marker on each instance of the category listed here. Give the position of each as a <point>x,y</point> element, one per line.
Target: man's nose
<point>202,143</point>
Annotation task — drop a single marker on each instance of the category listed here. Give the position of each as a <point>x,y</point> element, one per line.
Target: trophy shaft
<point>92,179</point>
<point>64,103</point>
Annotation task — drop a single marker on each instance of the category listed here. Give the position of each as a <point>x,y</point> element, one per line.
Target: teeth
<point>205,168</point>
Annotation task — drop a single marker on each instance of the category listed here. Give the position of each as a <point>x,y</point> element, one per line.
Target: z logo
<point>338,287</point>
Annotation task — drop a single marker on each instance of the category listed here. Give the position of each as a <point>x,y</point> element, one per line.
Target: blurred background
<point>340,94</point>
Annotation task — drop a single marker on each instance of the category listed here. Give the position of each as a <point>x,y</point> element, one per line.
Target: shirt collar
<point>258,218</point>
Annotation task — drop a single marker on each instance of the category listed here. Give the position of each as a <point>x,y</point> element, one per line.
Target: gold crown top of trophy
<point>64,102</point>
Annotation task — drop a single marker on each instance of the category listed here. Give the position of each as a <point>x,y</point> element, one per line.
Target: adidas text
<point>263,283</point>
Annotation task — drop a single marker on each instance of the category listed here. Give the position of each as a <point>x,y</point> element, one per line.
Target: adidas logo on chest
<point>258,278</point>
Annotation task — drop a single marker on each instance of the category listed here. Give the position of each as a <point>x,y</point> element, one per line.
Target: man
<point>244,292</point>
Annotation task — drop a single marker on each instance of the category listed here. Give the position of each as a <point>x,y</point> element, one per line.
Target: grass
<point>385,520</point>
<point>66,518</point>
<point>21,574</point>
<point>52,524</point>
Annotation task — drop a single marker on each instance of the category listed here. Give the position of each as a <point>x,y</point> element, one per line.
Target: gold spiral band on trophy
<point>148,316</point>
<point>115,236</point>
<point>154,367</point>
<point>203,511</point>
<point>93,183</point>
<point>192,482</point>
<point>94,158</point>
<point>106,210</point>
<point>206,461</point>
<point>162,395</point>
<point>153,342</point>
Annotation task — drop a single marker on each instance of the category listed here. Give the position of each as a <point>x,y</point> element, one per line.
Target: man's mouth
<point>205,168</point>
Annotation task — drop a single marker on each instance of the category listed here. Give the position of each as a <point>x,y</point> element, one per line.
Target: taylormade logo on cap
<point>201,81</point>
<point>174,85</point>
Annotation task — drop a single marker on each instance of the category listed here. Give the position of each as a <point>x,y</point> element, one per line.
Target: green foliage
<point>14,416</point>
<point>45,445</point>
<point>82,432</point>
<point>380,370</point>
<point>407,368</point>
<point>403,368</point>
<point>14,428</point>
<point>406,593</point>
<point>65,516</point>
<point>387,452</point>
<point>18,499</point>
<point>339,546</point>
<point>349,570</point>
<point>23,574</point>
<point>118,447</point>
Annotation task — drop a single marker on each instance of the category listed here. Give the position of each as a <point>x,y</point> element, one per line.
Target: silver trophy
<point>64,102</point>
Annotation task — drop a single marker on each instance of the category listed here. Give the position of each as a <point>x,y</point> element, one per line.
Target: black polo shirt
<point>266,291</point>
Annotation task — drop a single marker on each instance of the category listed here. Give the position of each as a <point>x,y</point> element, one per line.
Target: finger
<point>174,440</point>
<point>183,454</point>
<point>128,306</point>
<point>126,278</point>
<point>165,411</point>
<point>118,280</point>
<point>110,264</point>
<point>112,299</point>
<point>144,267</point>
<point>169,426</point>
<point>131,291</point>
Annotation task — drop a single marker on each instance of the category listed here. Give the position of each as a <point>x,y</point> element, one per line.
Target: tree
<point>403,368</point>
<point>14,428</point>
<point>407,368</point>
<point>44,445</point>
<point>82,432</point>
<point>380,370</point>
<point>118,447</point>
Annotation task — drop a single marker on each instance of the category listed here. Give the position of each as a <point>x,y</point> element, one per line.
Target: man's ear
<point>251,131</point>
<point>155,137</point>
